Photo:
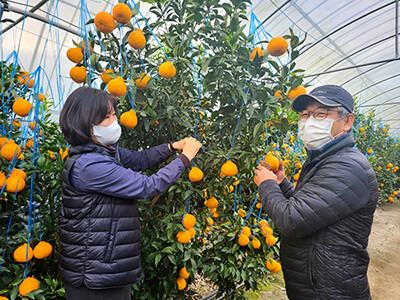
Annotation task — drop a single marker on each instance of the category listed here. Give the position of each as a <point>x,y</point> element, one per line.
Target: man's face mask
<point>107,134</point>
<point>316,132</point>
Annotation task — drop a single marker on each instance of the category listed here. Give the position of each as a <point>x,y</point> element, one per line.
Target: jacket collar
<point>330,147</point>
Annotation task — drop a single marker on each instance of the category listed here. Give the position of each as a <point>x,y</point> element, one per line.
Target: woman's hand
<point>179,144</point>
<point>262,174</point>
<point>191,147</point>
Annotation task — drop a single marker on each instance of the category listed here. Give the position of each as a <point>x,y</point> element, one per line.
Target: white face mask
<point>107,134</point>
<point>316,133</point>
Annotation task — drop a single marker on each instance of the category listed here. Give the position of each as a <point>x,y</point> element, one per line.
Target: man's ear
<point>349,122</point>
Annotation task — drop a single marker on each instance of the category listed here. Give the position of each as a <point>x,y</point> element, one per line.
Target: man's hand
<point>280,173</point>
<point>262,174</point>
<point>179,144</point>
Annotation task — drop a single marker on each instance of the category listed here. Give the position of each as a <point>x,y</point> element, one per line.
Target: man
<point>325,221</point>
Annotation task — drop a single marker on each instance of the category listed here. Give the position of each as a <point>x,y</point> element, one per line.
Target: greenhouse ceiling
<point>354,44</point>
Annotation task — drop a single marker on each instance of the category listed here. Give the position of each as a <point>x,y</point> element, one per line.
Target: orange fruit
<point>142,81</point>
<point>370,151</point>
<point>32,125</point>
<point>257,51</point>
<point>189,221</point>
<point>78,74</point>
<point>167,70</point>
<point>18,172</point>
<point>270,240</point>
<point>3,140</point>
<point>51,153</point>
<point>104,77</point>
<point>277,46</point>
<point>246,231</point>
<point>278,94</point>
<point>117,87</point>
<point>195,174</point>
<point>266,230</point>
<point>15,184</point>
<point>389,165</point>
<point>41,97</point>
<point>3,298</point>
<point>262,223</point>
<point>242,213</point>
<point>122,13</point>
<point>395,192</point>
<point>273,265</point>
<point>243,240</point>
<point>20,253</point>
<point>259,205</point>
<point>136,39</point>
<point>21,107</point>
<point>293,93</point>
<point>10,150</point>
<point>183,237</point>
<point>256,243</point>
<point>42,250</point>
<point>192,232</point>
<point>84,47</point>
<point>391,199</point>
<point>104,22</point>
<point>229,168</point>
<point>75,55</point>
<point>16,123</point>
<point>296,176</point>
<point>272,162</point>
<point>181,282</point>
<point>215,215</point>
<point>129,119</point>
<point>210,221</point>
<point>2,179</point>
<point>28,285</point>
<point>211,203</point>
<point>183,273</point>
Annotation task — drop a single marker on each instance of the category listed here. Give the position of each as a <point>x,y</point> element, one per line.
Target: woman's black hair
<point>86,106</point>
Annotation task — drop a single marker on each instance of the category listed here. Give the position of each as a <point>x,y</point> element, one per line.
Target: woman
<point>99,255</point>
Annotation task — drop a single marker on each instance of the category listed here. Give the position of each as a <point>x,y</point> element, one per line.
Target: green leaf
<point>168,249</point>
<point>157,259</point>
<point>14,293</point>
<point>257,129</point>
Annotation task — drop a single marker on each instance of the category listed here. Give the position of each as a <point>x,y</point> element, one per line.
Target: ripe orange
<point>181,282</point>
<point>277,46</point>
<point>391,199</point>
<point>293,93</point>
<point>215,215</point>
<point>257,51</point>
<point>3,140</point>
<point>42,250</point>
<point>28,285</point>
<point>86,49</point>
<point>270,240</point>
<point>104,77</point>
<point>122,13</point>
<point>256,243</point>
<point>272,162</point>
<point>210,221</point>
<point>129,119</point>
<point>15,184</point>
<point>296,176</point>
<point>136,39</point>
<point>189,221</point>
<point>3,298</point>
<point>10,150</point>
<point>104,22</point>
<point>389,165</point>
<point>192,232</point>
<point>262,223</point>
<point>41,97</point>
<point>117,87</point>
<point>259,205</point>
<point>273,265</point>
<point>20,253</point>
<point>18,172</point>
<point>266,230</point>
<point>229,168</point>
<point>183,273</point>
<point>32,125</point>
<point>278,94</point>
<point>75,55</point>
<point>242,213</point>
<point>183,237</point>
<point>195,174</point>
<point>243,240</point>
<point>21,107</point>
<point>211,203</point>
<point>167,70</point>
<point>246,231</point>
<point>78,74</point>
<point>2,179</point>
<point>370,151</point>
<point>142,81</point>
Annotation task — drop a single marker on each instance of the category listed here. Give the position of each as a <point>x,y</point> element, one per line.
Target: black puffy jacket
<point>325,223</point>
<point>99,235</point>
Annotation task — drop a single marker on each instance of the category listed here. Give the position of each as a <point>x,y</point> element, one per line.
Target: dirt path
<point>384,251</point>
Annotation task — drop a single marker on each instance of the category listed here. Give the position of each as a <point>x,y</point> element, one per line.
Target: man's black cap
<point>329,95</point>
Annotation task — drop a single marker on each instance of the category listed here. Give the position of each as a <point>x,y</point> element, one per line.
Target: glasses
<point>319,113</point>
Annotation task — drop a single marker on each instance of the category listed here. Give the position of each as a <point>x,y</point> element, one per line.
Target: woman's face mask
<point>315,133</point>
<point>107,134</point>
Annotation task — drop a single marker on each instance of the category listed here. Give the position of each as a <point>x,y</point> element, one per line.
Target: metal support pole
<point>396,39</point>
<point>37,17</point>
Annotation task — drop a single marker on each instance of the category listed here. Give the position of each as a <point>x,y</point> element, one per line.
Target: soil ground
<point>384,267</point>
